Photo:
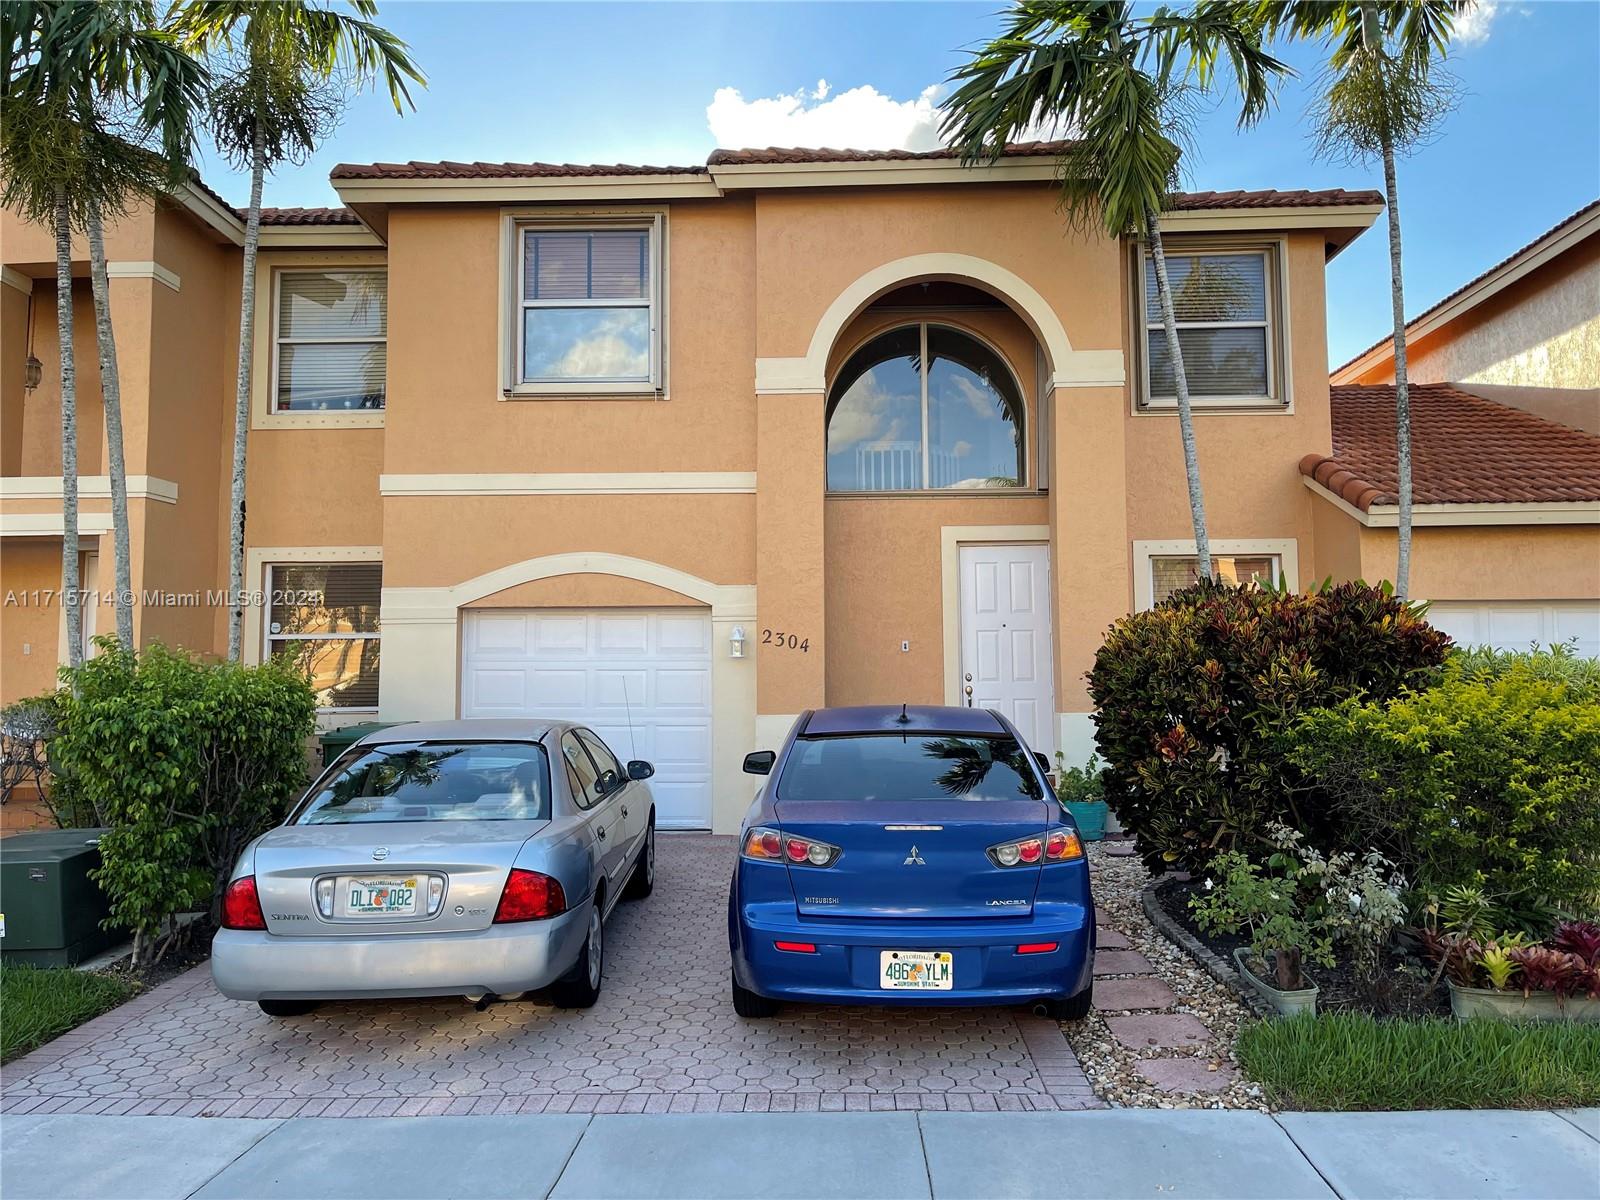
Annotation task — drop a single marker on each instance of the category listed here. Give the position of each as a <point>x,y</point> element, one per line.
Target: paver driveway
<point>663,1038</point>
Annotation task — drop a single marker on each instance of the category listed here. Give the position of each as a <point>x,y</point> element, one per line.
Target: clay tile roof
<point>506,170</point>
<point>827,154</point>
<point>307,216</point>
<point>1274,199</point>
<point>1465,450</point>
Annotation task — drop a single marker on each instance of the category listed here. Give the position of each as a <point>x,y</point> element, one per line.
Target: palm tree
<point>1384,95</point>
<point>292,62</point>
<point>1113,80</point>
<point>91,91</point>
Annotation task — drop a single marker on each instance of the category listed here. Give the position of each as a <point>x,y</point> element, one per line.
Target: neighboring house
<point>682,451</point>
<point>1526,332</point>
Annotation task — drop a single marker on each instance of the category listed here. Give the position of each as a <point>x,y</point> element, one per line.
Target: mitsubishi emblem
<point>381,853</point>
<point>914,859</point>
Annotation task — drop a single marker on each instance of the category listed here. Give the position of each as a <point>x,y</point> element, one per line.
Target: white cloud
<point>862,118</point>
<point>1472,26</point>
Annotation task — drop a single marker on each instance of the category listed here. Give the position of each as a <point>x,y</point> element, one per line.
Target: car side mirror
<point>759,762</point>
<point>1045,765</point>
<point>639,769</point>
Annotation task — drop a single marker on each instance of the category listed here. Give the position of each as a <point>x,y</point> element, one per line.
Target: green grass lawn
<point>40,1003</point>
<point>1350,1061</point>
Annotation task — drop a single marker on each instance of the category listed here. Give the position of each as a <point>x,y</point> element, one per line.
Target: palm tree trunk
<point>111,389</point>
<point>1191,456</point>
<point>241,398</point>
<point>1402,392</point>
<point>69,431</point>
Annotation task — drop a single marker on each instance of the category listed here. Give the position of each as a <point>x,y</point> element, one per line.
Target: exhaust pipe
<point>1041,1009</point>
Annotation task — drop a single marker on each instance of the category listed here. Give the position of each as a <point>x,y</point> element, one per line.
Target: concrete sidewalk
<point>1114,1153</point>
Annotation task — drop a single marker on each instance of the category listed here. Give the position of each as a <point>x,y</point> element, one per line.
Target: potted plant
<point>1507,979</point>
<point>1082,793</point>
<point>1241,896</point>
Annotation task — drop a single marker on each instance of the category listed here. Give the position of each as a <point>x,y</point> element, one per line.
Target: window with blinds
<point>324,617</point>
<point>331,351</point>
<point>589,308</point>
<point>1174,572</point>
<point>1224,303</point>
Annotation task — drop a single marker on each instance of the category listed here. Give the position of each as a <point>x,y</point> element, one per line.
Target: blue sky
<point>666,83</point>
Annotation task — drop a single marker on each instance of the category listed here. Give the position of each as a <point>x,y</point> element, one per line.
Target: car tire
<point>643,880</point>
<point>1074,1008</point>
<point>752,1004</point>
<point>287,1008</point>
<point>580,987</point>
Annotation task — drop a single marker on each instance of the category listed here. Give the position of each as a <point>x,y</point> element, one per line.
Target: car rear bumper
<point>249,965</point>
<point>845,969</point>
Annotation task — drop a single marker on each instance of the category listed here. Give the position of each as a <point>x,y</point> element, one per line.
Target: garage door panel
<point>639,679</point>
<point>1519,624</point>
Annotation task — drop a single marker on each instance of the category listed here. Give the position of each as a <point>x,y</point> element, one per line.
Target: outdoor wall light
<point>736,642</point>
<point>32,373</point>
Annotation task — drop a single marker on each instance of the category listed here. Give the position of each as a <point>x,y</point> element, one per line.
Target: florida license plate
<point>916,970</point>
<point>381,896</point>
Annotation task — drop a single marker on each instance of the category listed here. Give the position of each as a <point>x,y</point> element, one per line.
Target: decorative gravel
<point>1113,1068</point>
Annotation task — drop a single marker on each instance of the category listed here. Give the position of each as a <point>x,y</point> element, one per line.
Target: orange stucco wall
<point>29,629</point>
<point>1496,562</point>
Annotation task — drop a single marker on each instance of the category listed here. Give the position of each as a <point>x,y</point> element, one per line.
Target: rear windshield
<point>435,781</point>
<point>897,766</point>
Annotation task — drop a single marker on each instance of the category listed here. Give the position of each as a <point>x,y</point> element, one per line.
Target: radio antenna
<point>628,708</point>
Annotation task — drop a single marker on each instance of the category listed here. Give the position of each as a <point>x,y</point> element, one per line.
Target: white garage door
<point>1517,624</point>
<point>594,667</point>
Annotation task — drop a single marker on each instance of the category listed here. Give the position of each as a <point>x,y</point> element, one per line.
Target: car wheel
<point>580,987</point>
<point>1074,1008</point>
<point>643,880</point>
<point>287,1008</point>
<point>752,1004</point>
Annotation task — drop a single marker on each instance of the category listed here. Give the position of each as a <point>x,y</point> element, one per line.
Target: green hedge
<point>184,761</point>
<point>1194,697</point>
<point>1490,782</point>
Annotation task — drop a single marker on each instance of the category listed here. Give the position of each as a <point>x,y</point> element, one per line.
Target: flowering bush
<point>1303,904</point>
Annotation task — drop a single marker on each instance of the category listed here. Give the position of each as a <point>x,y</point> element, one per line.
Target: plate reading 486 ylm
<point>916,970</point>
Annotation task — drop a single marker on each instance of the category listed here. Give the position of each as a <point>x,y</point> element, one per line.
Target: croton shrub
<point>1195,695</point>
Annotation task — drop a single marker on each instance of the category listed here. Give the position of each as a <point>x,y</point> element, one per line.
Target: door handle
<point>624,810</point>
<point>968,690</point>
<point>600,832</point>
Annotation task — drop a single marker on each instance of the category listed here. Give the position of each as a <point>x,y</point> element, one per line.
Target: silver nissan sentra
<point>475,858</point>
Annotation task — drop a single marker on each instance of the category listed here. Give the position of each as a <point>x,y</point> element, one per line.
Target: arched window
<point>924,407</point>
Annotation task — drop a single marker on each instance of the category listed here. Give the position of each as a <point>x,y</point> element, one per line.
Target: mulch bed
<point>192,949</point>
<point>1406,976</point>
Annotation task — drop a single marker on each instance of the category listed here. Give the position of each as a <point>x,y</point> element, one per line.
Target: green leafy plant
<point>184,761</point>
<point>1194,696</point>
<point>1497,965</point>
<point>1557,663</point>
<point>1489,785</point>
<point>1079,785</point>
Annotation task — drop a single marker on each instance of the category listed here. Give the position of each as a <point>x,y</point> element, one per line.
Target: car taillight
<point>241,906</point>
<point>1059,845</point>
<point>772,845</point>
<point>529,896</point>
<point>1037,948</point>
<point>796,947</point>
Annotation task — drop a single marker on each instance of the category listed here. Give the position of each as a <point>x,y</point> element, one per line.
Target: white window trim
<point>264,364</point>
<point>1279,397</point>
<point>1025,462</point>
<point>279,341</point>
<point>1287,551</point>
<point>264,611</point>
<point>514,225</point>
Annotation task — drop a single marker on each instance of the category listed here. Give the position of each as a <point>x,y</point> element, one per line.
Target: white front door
<point>640,678</point>
<point>1006,658</point>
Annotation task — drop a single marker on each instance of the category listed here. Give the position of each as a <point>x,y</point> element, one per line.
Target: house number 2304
<point>785,641</point>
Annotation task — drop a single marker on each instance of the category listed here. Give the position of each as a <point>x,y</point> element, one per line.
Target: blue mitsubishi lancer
<point>909,855</point>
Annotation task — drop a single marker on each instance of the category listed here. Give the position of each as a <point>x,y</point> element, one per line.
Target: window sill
<point>1017,493</point>
<point>1166,408</point>
<point>319,420</point>
<point>646,393</point>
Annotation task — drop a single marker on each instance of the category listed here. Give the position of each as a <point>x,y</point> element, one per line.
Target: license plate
<point>916,970</point>
<point>381,896</point>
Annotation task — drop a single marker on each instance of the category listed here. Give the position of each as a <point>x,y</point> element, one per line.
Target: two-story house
<point>683,451</point>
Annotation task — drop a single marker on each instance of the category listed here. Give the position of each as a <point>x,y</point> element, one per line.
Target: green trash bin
<point>336,741</point>
<point>52,911</point>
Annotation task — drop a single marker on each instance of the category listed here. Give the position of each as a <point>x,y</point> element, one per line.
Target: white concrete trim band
<point>90,487</point>
<point>629,483</point>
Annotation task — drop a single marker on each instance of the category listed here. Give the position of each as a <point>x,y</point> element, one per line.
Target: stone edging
<point>1215,966</point>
